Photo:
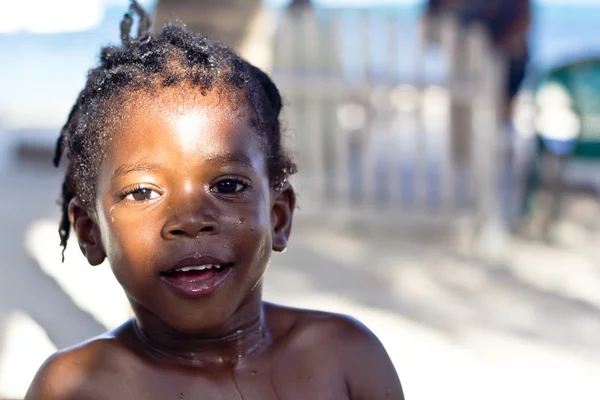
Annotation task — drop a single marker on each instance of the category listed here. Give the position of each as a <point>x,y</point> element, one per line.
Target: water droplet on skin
<point>240,222</point>
<point>181,396</point>
<point>254,372</point>
<point>252,229</point>
<point>112,219</point>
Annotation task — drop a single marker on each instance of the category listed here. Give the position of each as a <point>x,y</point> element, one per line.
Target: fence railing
<point>385,121</point>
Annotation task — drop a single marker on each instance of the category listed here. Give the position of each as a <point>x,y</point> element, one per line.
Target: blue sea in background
<point>40,75</point>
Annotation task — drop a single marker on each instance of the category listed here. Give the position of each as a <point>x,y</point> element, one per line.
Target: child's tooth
<point>199,267</point>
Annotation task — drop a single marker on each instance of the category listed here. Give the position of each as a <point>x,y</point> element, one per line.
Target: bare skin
<point>186,178</point>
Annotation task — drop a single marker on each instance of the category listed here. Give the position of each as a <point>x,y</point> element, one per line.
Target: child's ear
<point>87,232</point>
<point>281,216</point>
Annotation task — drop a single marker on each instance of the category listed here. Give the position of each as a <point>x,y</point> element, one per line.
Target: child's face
<point>184,183</point>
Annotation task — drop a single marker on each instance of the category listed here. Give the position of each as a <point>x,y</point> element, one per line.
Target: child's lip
<point>193,287</point>
<point>191,261</point>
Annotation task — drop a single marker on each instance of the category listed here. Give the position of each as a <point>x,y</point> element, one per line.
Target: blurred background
<point>448,188</point>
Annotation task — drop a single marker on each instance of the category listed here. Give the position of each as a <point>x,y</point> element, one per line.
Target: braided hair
<point>173,58</point>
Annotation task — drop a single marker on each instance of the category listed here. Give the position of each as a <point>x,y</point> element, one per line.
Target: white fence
<point>383,123</point>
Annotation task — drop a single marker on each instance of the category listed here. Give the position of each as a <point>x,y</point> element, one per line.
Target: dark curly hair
<point>176,57</point>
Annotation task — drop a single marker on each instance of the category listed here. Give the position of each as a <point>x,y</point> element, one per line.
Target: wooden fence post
<point>487,109</point>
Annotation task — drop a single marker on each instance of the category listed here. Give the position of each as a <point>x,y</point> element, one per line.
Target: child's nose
<point>191,216</point>
<point>191,227</point>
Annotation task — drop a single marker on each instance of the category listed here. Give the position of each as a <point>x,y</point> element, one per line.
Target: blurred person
<point>300,4</point>
<point>245,26</point>
<point>507,23</point>
<point>178,177</point>
<point>228,21</point>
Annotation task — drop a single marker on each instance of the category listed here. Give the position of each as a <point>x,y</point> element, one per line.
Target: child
<point>178,177</point>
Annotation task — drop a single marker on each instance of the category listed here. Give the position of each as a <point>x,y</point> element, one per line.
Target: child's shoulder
<point>304,326</point>
<point>340,343</point>
<point>321,332</point>
<point>67,373</point>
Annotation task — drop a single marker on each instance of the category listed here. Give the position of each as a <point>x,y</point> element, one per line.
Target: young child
<point>178,177</point>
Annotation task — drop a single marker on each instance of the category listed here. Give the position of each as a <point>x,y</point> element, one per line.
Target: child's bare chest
<point>288,378</point>
<point>235,388</point>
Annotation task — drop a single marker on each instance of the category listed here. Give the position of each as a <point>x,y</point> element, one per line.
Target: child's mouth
<point>197,273</point>
<point>197,280</point>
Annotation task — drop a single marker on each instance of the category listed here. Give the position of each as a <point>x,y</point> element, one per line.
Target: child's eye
<point>229,186</point>
<point>141,194</point>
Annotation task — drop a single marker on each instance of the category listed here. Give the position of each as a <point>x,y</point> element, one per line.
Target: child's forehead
<point>180,101</point>
<point>183,120</point>
<point>186,109</point>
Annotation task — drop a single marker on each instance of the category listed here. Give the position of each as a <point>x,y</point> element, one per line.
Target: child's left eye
<point>229,186</point>
<point>141,194</point>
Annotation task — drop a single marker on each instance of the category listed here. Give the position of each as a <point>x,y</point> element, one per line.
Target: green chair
<point>567,128</point>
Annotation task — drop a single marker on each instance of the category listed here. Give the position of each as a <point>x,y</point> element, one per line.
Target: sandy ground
<point>525,325</point>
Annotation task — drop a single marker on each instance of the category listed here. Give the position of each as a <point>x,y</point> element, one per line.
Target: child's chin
<point>201,317</point>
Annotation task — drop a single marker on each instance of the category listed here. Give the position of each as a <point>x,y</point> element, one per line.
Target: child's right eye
<point>229,186</point>
<point>141,194</point>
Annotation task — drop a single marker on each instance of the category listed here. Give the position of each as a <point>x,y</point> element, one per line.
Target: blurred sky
<point>49,16</point>
<point>371,3</point>
<point>43,16</point>
<point>49,46</point>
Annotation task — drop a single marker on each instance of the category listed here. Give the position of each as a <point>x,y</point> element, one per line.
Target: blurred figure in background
<point>300,4</point>
<point>507,23</point>
<point>241,24</point>
<point>225,20</point>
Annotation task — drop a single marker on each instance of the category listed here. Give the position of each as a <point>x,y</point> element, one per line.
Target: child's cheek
<point>130,236</point>
<point>248,230</point>
<point>249,216</point>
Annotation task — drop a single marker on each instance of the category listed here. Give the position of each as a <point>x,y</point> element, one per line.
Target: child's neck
<point>240,339</point>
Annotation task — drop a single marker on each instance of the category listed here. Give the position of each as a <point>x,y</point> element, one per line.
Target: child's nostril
<point>192,230</point>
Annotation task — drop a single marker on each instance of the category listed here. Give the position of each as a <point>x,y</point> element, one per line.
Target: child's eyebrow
<point>219,159</point>
<point>124,169</point>
<point>229,158</point>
